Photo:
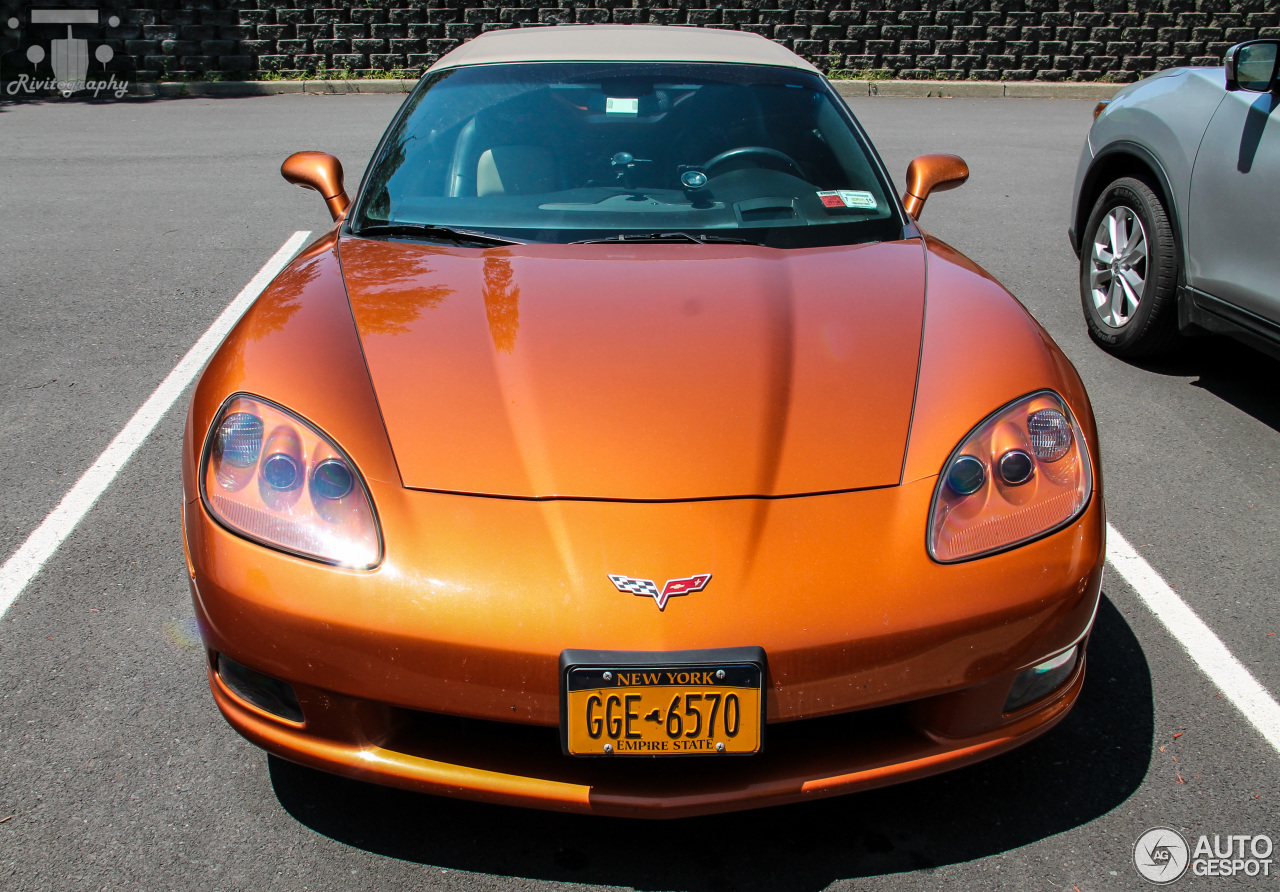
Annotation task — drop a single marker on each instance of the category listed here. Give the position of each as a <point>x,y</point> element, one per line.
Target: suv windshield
<point>586,151</point>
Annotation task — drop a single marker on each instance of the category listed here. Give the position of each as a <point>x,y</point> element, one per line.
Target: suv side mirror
<point>1251,66</point>
<point>932,173</point>
<point>322,172</point>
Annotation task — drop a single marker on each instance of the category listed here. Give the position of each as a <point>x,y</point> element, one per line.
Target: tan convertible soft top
<point>620,43</point>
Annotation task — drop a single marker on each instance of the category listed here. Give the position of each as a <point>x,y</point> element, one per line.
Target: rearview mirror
<point>322,172</point>
<point>932,173</point>
<point>1251,66</point>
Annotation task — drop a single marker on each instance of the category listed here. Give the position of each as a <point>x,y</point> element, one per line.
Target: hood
<point>648,372</point>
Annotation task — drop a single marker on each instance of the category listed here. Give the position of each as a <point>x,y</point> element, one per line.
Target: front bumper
<point>439,670</point>
<point>521,765</point>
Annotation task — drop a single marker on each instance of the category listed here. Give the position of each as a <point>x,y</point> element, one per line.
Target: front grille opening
<point>875,736</point>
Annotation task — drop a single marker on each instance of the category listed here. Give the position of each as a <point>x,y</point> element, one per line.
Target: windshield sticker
<point>848,198</point>
<point>616,106</point>
<point>863,201</point>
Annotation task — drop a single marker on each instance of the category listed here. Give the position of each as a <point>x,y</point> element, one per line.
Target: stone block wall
<point>1055,40</point>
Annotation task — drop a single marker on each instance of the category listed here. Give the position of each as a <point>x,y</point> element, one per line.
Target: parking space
<point>137,222</point>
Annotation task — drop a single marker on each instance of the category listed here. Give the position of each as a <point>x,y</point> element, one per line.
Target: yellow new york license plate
<point>713,709</point>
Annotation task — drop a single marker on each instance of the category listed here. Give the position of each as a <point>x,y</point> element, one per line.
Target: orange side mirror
<point>322,172</point>
<point>932,173</point>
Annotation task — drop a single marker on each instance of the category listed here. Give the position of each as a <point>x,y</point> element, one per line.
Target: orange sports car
<point>627,448</point>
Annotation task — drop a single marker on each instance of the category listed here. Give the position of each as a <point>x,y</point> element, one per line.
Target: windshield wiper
<point>431,232</point>
<point>667,237</point>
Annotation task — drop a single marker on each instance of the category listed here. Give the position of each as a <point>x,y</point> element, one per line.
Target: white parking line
<point>26,562</point>
<point>1204,647</point>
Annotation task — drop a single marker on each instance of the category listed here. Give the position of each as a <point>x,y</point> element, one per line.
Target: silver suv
<point>1175,209</point>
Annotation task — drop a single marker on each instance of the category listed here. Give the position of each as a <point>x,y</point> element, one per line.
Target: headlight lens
<point>274,478</point>
<point>1021,473</point>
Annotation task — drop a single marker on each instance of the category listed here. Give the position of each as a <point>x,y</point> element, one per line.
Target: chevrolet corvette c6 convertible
<point>627,448</point>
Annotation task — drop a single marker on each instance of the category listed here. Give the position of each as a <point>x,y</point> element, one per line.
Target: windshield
<point>568,152</point>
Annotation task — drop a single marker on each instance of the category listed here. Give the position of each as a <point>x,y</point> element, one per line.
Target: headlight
<point>273,478</point>
<point>1021,473</point>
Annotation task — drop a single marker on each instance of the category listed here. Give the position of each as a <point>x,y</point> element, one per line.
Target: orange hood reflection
<point>641,372</point>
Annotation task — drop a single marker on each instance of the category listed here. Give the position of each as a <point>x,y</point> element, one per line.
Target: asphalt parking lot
<point>129,226</point>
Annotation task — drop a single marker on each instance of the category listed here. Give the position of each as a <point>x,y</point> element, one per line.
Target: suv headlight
<point>272,477</point>
<point>1019,475</point>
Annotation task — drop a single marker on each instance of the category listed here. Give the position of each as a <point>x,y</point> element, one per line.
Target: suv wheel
<point>1129,272</point>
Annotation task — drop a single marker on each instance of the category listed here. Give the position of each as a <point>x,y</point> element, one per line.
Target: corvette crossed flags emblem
<point>660,595</point>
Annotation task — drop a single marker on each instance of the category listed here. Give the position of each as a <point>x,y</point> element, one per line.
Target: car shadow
<point>1236,374</point>
<point>1082,769</point>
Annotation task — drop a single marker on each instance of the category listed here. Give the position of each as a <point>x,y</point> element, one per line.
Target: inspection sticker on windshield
<point>618,106</point>
<point>848,198</point>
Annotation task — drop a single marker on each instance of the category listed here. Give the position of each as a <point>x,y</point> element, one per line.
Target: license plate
<point>626,708</point>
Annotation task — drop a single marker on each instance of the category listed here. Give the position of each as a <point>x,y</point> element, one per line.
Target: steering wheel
<point>773,155</point>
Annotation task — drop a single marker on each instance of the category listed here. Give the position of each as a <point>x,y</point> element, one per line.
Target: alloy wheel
<point>1118,266</point>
